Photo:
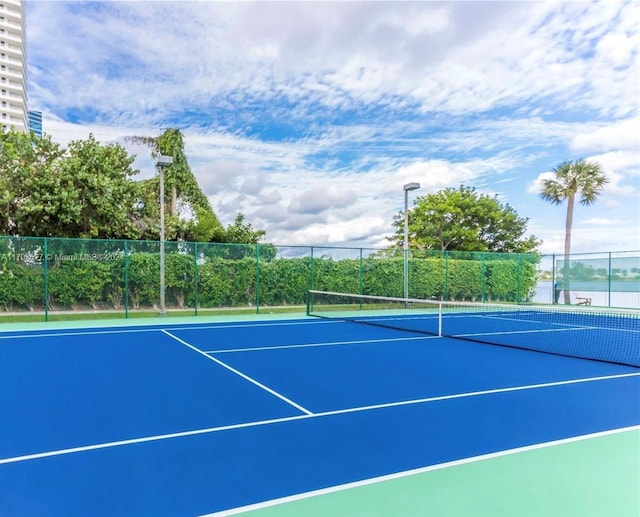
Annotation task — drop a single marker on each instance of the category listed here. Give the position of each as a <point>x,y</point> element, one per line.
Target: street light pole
<point>408,187</point>
<point>161,163</point>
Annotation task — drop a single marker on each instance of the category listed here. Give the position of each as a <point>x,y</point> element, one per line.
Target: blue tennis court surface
<point>186,420</point>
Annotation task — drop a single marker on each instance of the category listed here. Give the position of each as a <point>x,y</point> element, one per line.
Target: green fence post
<point>126,280</point>
<point>195,278</point>
<point>312,277</point>
<point>361,274</point>
<point>46,279</point>
<point>446,275</point>
<point>518,273</point>
<point>361,278</point>
<point>257,279</point>
<point>484,277</point>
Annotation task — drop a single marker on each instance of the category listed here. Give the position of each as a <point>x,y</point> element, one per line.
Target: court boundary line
<point>326,343</point>
<point>210,430</point>
<point>240,374</point>
<point>414,472</point>
<point>156,326</point>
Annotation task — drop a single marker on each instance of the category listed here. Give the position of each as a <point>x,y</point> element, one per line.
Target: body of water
<point>623,294</point>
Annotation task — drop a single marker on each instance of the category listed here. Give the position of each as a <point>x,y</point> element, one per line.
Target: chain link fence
<point>50,278</point>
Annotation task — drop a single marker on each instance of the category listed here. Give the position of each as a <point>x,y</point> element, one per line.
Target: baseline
<point>13,334</point>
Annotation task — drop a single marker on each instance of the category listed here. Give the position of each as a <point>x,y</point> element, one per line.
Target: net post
<point>308,303</point>
<point>553,278</point>
<point>609,283</point>
<point>440,318</point>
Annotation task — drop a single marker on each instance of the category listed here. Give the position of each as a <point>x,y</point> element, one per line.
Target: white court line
<point>421,470</point>
<point>572,326</point>
<point>155,438</point>
<point>508,332</point>
<point>327,343</point>
<point>155,328</point>
<point>239,373</point>
<point>133,441</point>
<point>522,320</point>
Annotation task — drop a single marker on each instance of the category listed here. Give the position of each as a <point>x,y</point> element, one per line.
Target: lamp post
<point>408,187</point>
<point>161,163</point>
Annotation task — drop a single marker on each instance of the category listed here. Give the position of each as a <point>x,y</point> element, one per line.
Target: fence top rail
<point>313,246</point>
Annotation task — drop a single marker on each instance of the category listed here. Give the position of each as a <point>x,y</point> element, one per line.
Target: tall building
<point>35,122</point>
<point>13,66</point>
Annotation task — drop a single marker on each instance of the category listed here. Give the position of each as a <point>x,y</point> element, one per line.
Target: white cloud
<point>369,96</point>
<point>601,221</point>
<point>537,185</point>
<point>622,134</point>
<point>320,198</point>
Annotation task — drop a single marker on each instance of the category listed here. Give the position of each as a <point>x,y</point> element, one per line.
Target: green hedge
<point>111,275</point>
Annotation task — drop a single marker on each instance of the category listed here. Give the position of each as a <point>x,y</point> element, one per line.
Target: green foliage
<point>464,220</point>
<point>178,176</point>
<point>22,287</point>
<point>30,182</point>
<point>204,227</point>
<point>181,192</point>
<point>99,190</point>
<point>85,191</point>
<point>339,276</point>
<point>215,283</point>
<point>580,178</point>
<point>88,191</point>
<point>100,275</point>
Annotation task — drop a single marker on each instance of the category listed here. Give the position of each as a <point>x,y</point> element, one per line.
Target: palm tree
<point>582,178</point>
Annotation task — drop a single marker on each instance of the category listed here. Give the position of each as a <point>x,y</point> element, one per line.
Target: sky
<point>309,117</point>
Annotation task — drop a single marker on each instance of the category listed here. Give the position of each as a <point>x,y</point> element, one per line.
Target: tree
<point>579,178</point>
<point>464,220</point>
<point>204,226</point>
<point>245,240</point>
<point>100,191</point>
<point>29,175</point>
<point>83,191</point>
<point>181,191</point>
<point>242,233</point>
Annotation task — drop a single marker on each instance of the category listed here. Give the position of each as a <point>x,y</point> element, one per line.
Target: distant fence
<point>51,277</point>
<point>57,277</point>
<point>609,279</point>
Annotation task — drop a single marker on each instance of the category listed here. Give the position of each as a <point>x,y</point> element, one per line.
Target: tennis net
<point>587,333</point>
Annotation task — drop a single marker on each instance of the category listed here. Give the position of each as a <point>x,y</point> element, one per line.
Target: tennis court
<point>324,416</point>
